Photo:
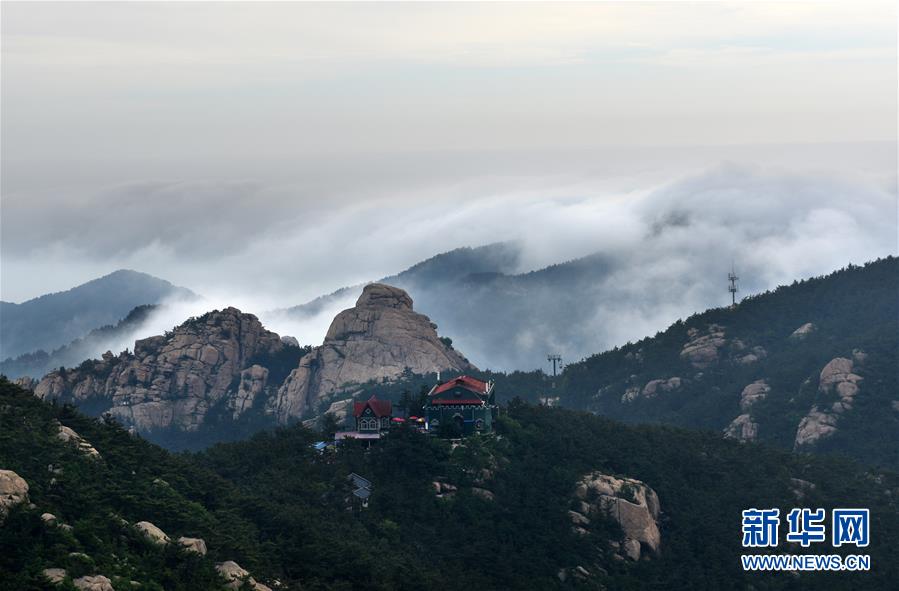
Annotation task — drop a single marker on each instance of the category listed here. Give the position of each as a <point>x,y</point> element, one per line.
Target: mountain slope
<point>447,267</point>
<point>217,364</point>
<point>53,320</point>
<point>223,375</point>
<point>40,362</point>
<point>501,517</point>
<point>810,366</point>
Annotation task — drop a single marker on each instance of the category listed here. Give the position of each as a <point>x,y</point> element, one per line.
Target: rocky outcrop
<point>631,503</point>
<point>174,379</point>
<point>379,338</point>
<point>13,491</point>
<point>25,382</point>
<point>803,331</point>
<point>93,583</point>
<point>652,389</point>
<point>235,576</point>
<point>837,378</point>
<point>701,350</point>
<point>197,545</point>
<point>751,356</point>
<point>743,427</point>
<point>290,341</point>
<point>54,576</point>
<point>152,533</point>
<point>483,493</point>
<point>252,385</point>
<point>69,436</point>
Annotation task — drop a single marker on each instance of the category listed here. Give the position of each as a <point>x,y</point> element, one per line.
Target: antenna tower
<point>732,288</point>
<point>556,360</point>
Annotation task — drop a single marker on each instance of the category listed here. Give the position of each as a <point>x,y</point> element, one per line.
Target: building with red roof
<point>373,415</point>
<point>460,406</point>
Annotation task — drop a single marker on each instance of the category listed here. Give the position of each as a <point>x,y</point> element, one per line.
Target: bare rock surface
<point>631,503</point>
<point>235,576</point>
<point>377,339</point>
<point>69,436</point>
<point>152,533</point>
<point>197,545</point>
<point>13,491</point>
<point>743,428</point>
<point>702,349</point>
<point>25,382</point>
<point>173,380</point>
<point>54,576</point>
<point>252,385</point>
<point>803,331</point>
<point>821,422</point>
<point>93,583</point>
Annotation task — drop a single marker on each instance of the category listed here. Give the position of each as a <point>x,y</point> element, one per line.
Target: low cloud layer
<point>666,246</point>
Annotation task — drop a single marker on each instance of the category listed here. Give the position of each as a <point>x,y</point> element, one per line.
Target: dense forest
<point>282,510</point>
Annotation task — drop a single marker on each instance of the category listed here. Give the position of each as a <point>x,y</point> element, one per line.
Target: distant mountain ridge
<point>223,375</point>
<point>453,265</point>
<point>54,320</point>
<point>40,362</point>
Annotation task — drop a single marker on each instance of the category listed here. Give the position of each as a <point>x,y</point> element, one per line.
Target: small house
<point>463,405</point>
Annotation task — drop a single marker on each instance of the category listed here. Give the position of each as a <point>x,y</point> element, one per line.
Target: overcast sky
<point>268,153</point>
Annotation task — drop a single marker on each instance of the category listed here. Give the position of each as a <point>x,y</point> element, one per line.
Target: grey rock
<point>152,533</point>
<point>172,380</point>
<point>631,503</point>
<point>197,545</point>
<point>93,583</point>
<point>54,576</point>
<point>378,339</point>
<point>13,491</point>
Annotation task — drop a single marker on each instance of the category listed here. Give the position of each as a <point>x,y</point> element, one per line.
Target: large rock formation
<point>743,427</point>
<point>173,380</point>
<point>652,389</point>
<point>69,436</point>
<point>631,503</point>
<point>196,545</point>
<point>702,349</point>
<point>236,576</point>
<point>13,491</point>
<point>837,378</point>
<point>93,583</point>
<point>379,338</point>
<point>152,533</point>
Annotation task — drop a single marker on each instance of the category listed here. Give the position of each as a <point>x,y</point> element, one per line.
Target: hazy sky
<point>272,152</point>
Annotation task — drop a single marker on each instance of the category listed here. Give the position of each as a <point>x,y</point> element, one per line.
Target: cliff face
<point>379,338</point>
<point>173,380</point>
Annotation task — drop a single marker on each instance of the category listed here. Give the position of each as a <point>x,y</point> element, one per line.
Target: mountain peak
<point>381,295</point>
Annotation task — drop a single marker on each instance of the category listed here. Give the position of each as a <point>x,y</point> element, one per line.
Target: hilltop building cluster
<point>460,406</point>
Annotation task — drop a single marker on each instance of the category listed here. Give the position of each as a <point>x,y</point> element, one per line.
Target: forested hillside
<point>812,365</point>
<point>493,513</point>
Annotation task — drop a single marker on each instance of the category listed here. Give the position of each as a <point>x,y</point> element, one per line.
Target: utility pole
<point>732,288</point>
<point>555,359</point>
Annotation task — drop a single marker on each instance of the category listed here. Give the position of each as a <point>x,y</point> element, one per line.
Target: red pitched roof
<point>458,401</point>
<point>381,408</point>
<point>469,383</point>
